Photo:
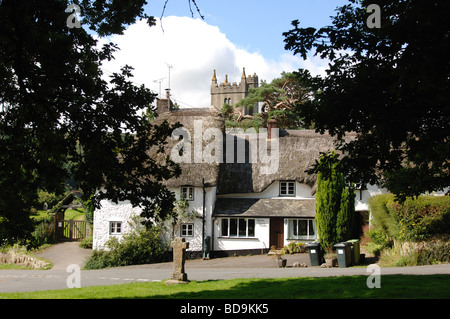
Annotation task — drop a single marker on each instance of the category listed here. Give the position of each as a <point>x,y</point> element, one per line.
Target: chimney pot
<point>272,123</point>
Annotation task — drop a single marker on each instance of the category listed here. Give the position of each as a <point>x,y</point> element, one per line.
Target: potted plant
<point>279,257</point>
<point>281,261</point>
<point>330,258</point>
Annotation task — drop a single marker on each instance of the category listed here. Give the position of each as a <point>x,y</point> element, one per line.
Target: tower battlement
<point>231,93</point>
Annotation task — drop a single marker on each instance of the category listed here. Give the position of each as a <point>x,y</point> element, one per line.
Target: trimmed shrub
<point>419,227</point>
<point>143,246</point>
<point>414,219</point>
<point>423,217</point>
<point>382,220</point>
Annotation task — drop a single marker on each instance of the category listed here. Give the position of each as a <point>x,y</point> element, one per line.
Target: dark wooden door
<point>277,232</point>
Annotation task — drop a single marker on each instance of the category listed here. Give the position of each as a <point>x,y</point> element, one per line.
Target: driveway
<point>65,253</point>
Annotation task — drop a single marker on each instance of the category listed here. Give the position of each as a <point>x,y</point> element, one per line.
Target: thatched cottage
<point>249,190</point>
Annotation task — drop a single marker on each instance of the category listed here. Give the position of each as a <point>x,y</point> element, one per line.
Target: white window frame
<point>115,227</point>
<point>287,185</point>
<point>186,229</point>
<point>187,192</point>
<point>311,230</point>
<point>225,230</point>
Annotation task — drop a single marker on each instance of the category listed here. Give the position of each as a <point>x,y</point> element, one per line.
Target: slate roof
<point>264,207</point>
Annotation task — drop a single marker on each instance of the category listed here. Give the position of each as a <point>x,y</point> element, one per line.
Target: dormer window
<point>287,188</point>
<point>187,192</point>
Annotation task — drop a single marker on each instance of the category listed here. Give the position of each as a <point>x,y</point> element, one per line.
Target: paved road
<point>221,268</point>
<point>32,280</point>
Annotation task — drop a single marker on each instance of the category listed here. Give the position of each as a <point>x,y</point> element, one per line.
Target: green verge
<point>392,287</point>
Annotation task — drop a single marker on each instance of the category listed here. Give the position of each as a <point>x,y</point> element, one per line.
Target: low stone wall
<point>21,259</point>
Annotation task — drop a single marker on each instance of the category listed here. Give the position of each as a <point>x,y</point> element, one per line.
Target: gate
<point>72,229</point>
<point>69,229</point>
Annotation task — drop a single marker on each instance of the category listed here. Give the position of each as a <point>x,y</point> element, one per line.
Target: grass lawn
<point>75,214</point>
<point>392,287</point>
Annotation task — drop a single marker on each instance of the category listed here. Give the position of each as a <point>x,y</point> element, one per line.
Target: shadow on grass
<point>392,287</point>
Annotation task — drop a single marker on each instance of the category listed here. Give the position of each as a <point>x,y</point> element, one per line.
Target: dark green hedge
<point>415,219</point>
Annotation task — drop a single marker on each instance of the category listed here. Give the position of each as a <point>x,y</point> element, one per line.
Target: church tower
<point>232,93</point>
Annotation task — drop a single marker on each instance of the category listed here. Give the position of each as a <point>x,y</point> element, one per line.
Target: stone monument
<point>179,246</point>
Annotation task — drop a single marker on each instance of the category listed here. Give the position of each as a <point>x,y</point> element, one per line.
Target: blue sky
<point>255,25</point>
<point>233,35</point>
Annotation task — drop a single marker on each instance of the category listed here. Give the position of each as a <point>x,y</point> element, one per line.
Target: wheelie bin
<point>315,255</point>
<point>343,251</point>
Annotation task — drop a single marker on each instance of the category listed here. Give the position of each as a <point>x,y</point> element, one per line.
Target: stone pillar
<point>179,246</point>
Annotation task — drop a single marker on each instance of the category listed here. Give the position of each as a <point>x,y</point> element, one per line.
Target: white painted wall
<point>109,211</point>
<point>273,191</point>
<point>362,200</point>
<point>195,242</point>
<point>123,211</point>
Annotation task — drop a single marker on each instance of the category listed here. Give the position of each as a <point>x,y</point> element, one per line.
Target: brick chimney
<point>164,105</point>
<point>272,123</point>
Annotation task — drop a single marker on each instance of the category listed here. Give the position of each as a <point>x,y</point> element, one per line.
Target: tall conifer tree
<point>344,220</point>
<point>335,204</point>
<point>330,183</point>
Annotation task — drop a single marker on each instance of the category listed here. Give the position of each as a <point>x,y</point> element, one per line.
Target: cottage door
<point>277,232</point>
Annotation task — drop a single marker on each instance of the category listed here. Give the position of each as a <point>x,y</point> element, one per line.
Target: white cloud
<point>194,48</point>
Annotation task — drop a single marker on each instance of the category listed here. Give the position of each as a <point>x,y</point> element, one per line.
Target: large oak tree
<point>389,85</point>
<point>60,118</point>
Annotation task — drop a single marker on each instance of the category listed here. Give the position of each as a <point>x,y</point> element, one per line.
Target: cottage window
<point>238,227</point>
<point>115,228</point>
<point>287,188</point>
<point>302,229</point>
<point>224,227</point>
<point>187,230</point>
<point>187,192</point>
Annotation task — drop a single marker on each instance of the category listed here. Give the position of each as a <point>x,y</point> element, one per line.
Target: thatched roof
<point>192,174</point>
<point>298,151</point>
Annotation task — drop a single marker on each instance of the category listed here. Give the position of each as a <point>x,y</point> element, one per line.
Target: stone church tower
<point>232,93</point>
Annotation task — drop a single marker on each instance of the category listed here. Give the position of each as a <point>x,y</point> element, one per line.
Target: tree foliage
<point>390,86</point>
<point>346,214</point>
<point>60,118</point>
<point>281,97</point>
<point>335,205</point>
<point>414,219</point>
